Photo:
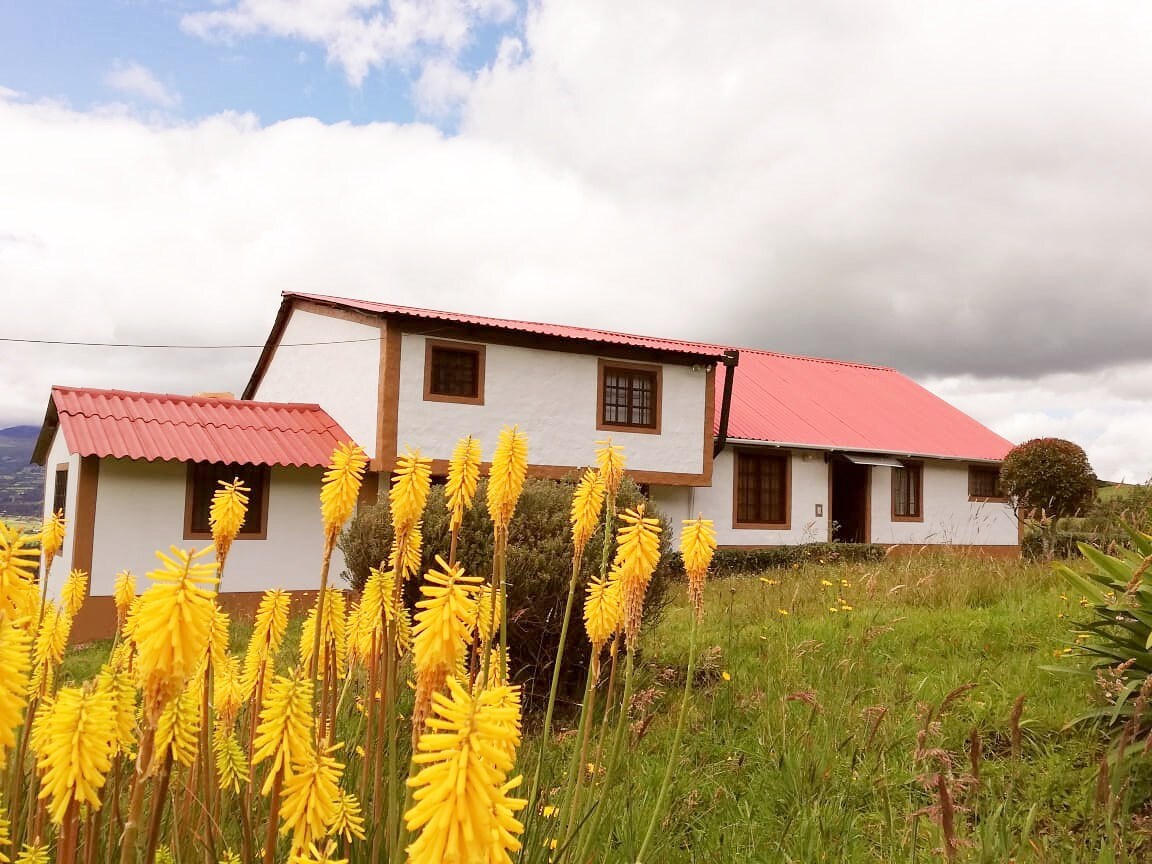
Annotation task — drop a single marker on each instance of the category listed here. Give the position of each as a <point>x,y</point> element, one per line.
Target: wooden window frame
<point>786,456</point>
<point>430,348</point>
<point>972,496</point>
<point>61,468</point>
<point>189,493</point>
<point>919,468</point>
<point>604,366</point>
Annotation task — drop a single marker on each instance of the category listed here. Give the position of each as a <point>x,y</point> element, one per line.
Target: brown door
<point>849,505</point>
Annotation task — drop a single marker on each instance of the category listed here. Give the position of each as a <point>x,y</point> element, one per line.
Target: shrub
<point>1048,474</point>
<point>539,567</point>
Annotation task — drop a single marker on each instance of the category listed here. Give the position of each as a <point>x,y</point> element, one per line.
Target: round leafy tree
<point>1048,474</point>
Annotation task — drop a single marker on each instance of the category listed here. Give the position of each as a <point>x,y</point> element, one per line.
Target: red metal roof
<point>121,424</point>
<point>784,399</point>
<point>677,346</point>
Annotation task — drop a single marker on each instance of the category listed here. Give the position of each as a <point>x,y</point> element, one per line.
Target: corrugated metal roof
<point>128,425</point>
<point>587,334</point>
<point>785,399</point>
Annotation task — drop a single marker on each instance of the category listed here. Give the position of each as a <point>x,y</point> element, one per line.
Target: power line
<point>177,347</point>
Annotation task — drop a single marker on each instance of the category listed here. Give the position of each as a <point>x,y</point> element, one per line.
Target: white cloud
<point>955,189</point>
<point>137,81</point>
<point>358,35</point>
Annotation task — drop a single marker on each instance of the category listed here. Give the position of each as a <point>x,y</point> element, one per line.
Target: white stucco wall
<point>57,454</point>
<point>949,517</point>
<point>140,509</point>
<point>552,397</point>
<point>809,488</point>
<point>343,378</point>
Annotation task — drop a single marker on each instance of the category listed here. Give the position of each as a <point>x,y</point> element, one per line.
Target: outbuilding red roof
<point>129,425</point>
<point>803,401</point>
<point>586,334</point>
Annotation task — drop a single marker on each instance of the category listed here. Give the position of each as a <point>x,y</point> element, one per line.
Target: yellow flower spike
<point>637,554</point>
<point>267,633</point>
<point>349,821</point>
<point>179,728</point>
<point>231,761</point>
<point>405,555</point>
<point>33,854</point>
<point>610,462</point>
<point>77,751</point>
<point>603,611</point>
<point>506,475</point>
<point>123,593</point>
<point>315,855</point>
<point>48,649</point>
<point>14,664</point>
<point>485,615</point>
<point>446,616</point>
<point>19,558</point>
<point>226,515</point>
<point>173,625</point>
<point>230,857</point>
<point>341,487</point>
<point>5,835</point>
<point>587,505</point>
<point>52,537</point>
<point>463,475</point>
<point>697,544</point>
<point>463,810</point>
<point>409,491</point>
<point>309,806</point>
<point>122,692</point>
<point>285,731</point>
<point>333,635</point>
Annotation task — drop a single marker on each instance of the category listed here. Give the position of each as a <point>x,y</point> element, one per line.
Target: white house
<point>776,449</point>
<point>135,472</point>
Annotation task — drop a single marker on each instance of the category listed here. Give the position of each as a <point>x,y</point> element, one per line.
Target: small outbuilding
<point>135,472</point>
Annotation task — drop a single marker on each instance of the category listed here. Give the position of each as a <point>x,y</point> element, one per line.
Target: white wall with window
<point>559,399</point>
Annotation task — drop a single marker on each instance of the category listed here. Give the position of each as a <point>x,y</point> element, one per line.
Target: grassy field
<point>809,711</point>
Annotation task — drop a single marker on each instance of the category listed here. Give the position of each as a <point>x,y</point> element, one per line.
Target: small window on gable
<point>984,483</point>
<point>762,493</point>
<point>204,479</point>
<point>629,397</point>
<point>908,493</point>
<point>453,372</point>
<point>60,490</point>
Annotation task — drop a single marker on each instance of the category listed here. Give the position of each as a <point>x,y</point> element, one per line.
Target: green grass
<point>781,762</point>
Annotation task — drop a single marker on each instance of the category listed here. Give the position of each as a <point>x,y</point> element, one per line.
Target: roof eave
<point>753,442</point>
<point>48,430</point>
<point>270,344</point>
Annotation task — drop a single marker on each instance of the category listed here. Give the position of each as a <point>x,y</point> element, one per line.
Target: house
<point>135,472</point>
<point>776,449</point>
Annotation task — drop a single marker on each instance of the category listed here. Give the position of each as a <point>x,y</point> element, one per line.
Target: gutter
<point>731,361</point>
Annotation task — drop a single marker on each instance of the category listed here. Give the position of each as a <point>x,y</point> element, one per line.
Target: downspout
<point>731,361</point>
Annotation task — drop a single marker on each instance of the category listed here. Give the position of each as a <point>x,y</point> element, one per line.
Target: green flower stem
<point>673,752</point>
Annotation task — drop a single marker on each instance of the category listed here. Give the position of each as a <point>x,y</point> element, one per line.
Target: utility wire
<point>178,347</point>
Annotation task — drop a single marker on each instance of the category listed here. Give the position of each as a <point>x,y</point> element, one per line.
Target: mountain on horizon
<point>21,483</point>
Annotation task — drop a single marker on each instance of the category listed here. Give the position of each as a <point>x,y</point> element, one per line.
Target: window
<point>762,495</point>
<point>204,479</point>
<point>629,397</point>
<point>984,483</point>
<point>453,372</point>
<point>907,493</point>
<point>60,490</point>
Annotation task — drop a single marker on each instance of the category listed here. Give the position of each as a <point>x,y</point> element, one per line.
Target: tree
<point>1047,479</point>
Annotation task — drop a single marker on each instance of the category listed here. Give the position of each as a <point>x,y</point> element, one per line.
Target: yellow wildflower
<point>309,806</point>
<point>409,493</point>
<point>637,554</point>
<point>117,683</point>
<point>179,728</point>
<point>446,615</point>
<point>463,475</point>
<point>349,821</point>
<point>603,611</point>
<point>488,619</point>
<point>697,544</point>
<point>48,649</point>
<point>226,515</point>
<point>610,461</point>
<point>267,634</point>
<point>14,664</point>
<point>52,537</point>
<point>587,505</point>
<point>340,488</point>
<point>33,854</point>
<point>463,810</point>
<point>405,554</point>
<point>315,855</point>
<point>231,760</point>
<point>77,753</point>
<point>123,593</point>
<point>74,592</point>
<point>19,558</point>
<point>173,625</point>
<point>506,476</point>
<point>285,731</point>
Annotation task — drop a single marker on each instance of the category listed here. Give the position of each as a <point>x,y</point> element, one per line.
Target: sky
<point>958,188</point>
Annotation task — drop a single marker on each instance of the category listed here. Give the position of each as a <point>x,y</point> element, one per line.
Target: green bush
<point>539,568</point>
<point>739,562</point>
